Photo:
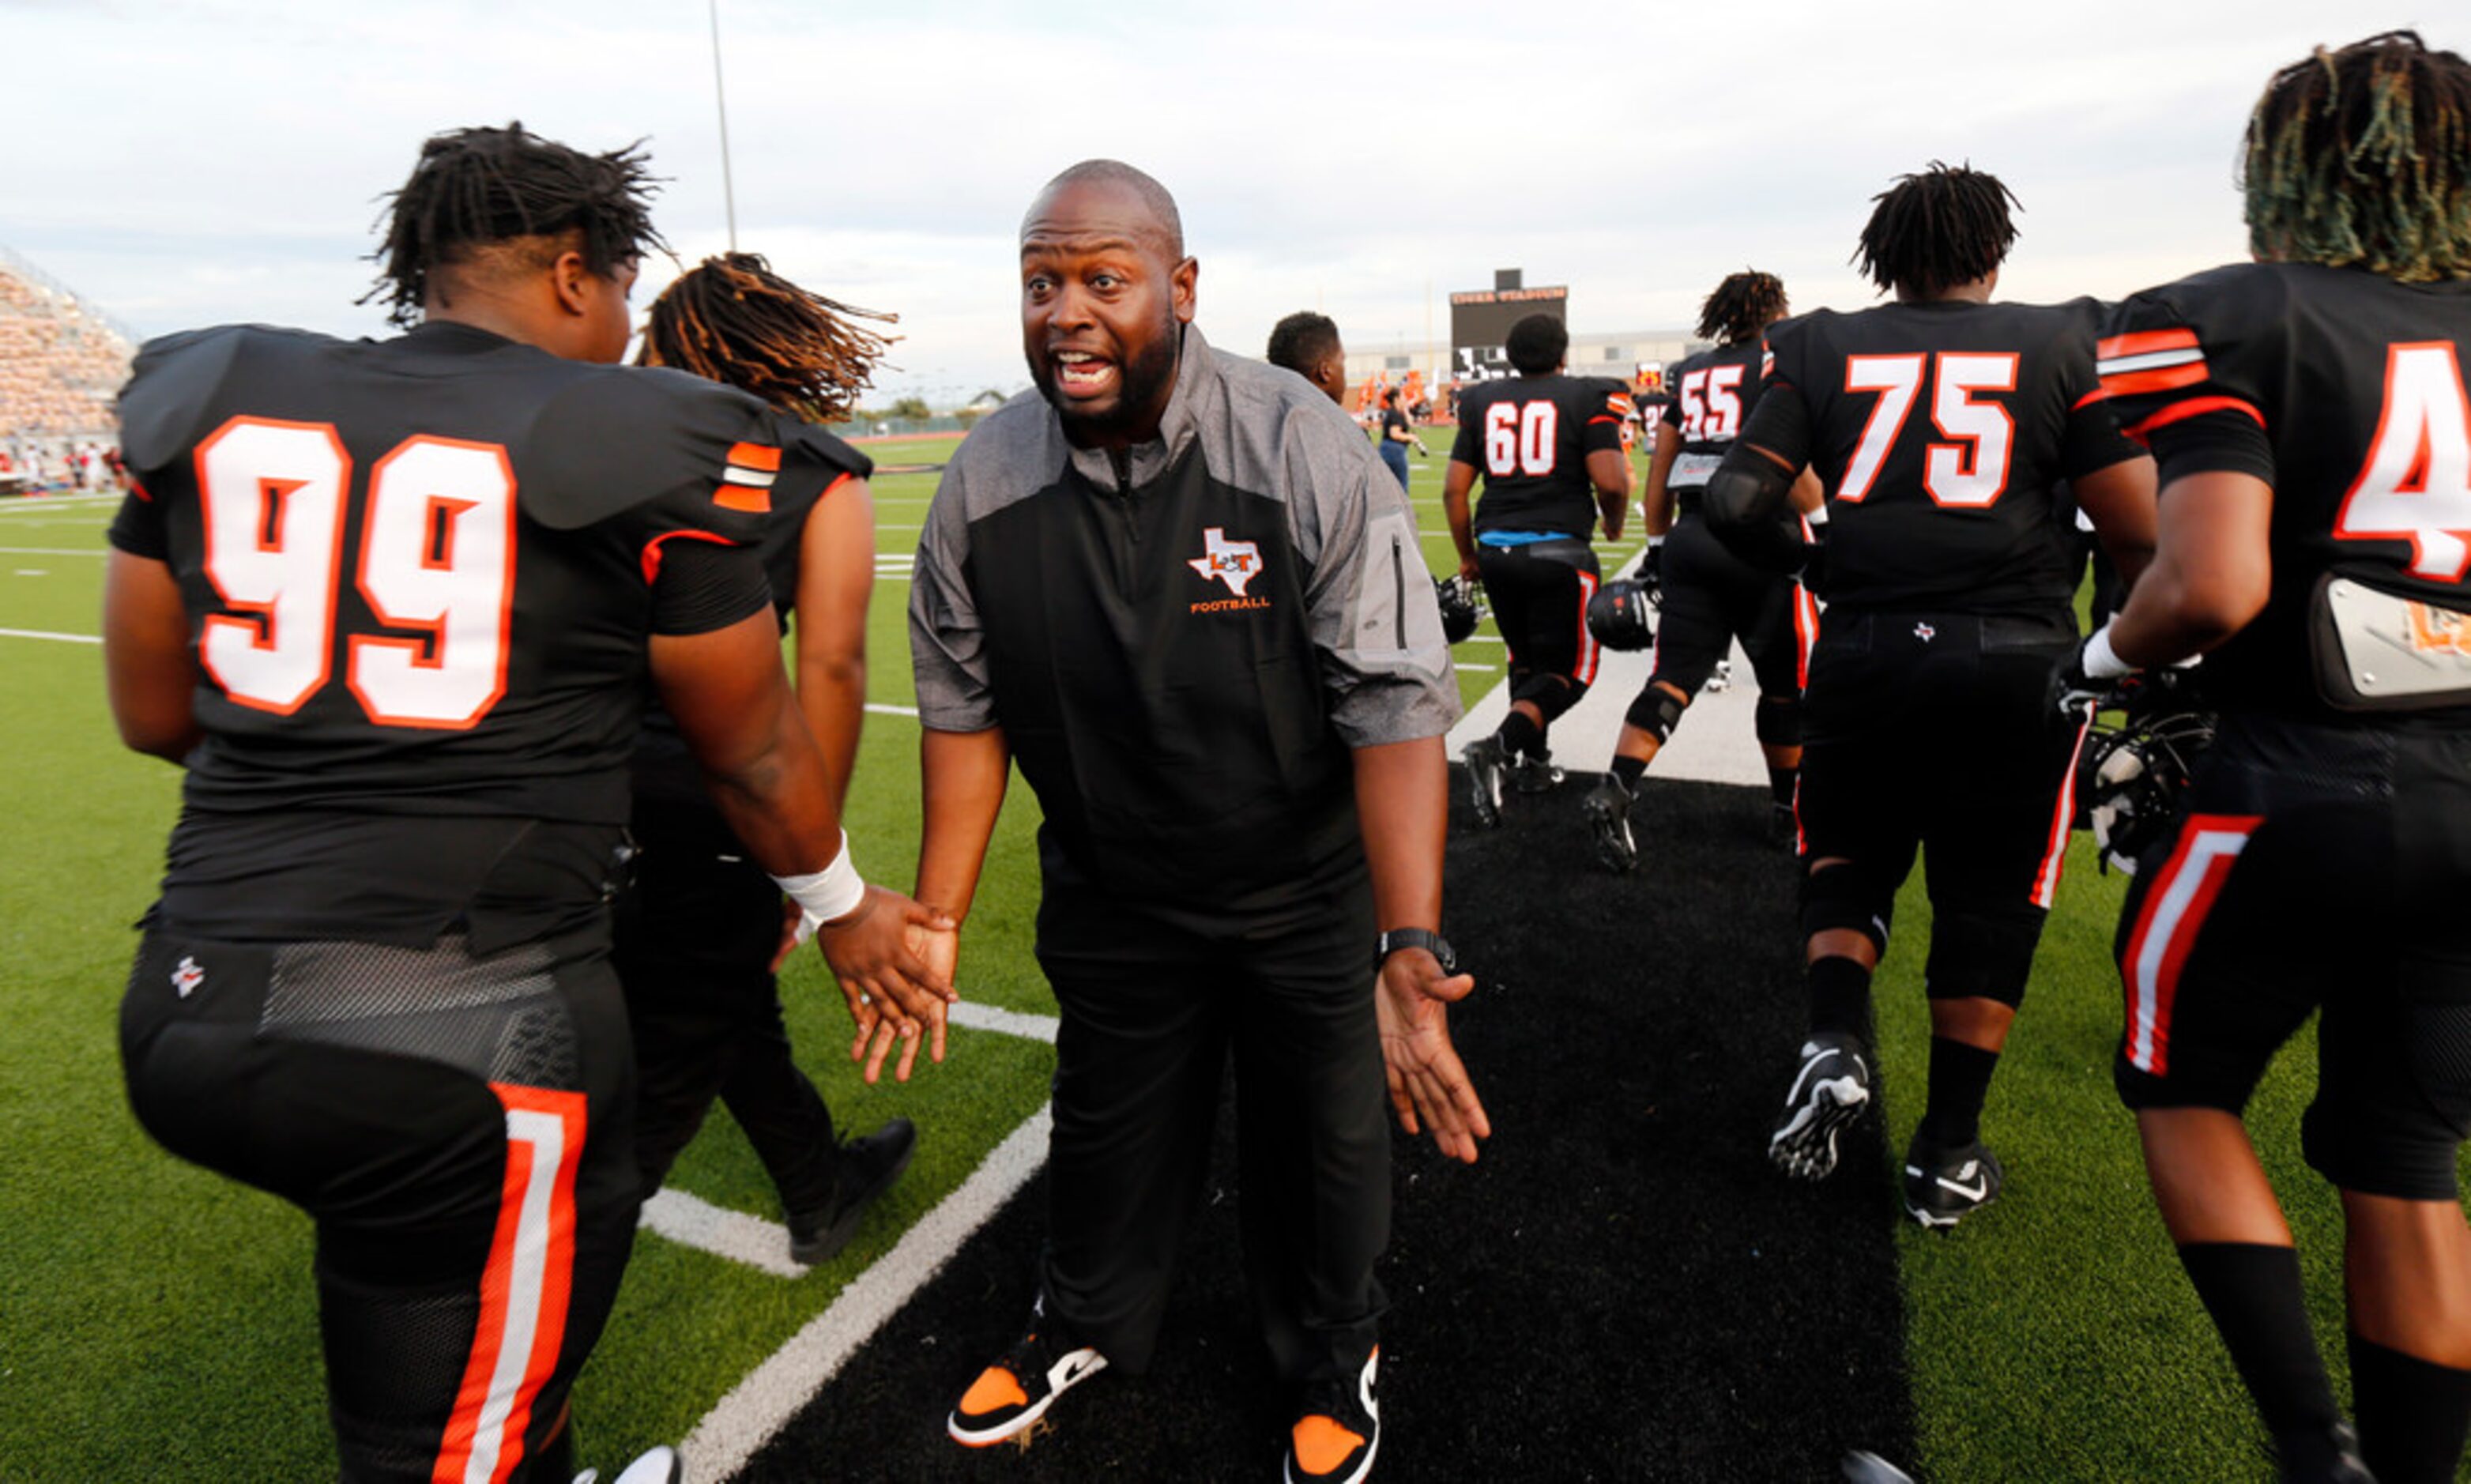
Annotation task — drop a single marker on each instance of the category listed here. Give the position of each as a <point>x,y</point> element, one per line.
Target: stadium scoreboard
<point>1480,322</point>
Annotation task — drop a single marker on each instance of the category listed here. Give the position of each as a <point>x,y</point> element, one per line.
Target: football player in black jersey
<point>1308,344</point>
<point>699,924</point>
<point>1549,449</point>
<point>393,604</point>
<point>1710,596</point>
<point>1937,426</point>
<point>2310,415</point>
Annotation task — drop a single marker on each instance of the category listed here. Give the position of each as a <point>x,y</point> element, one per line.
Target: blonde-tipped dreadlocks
<point>2362,158</point>
<point>730,318</point>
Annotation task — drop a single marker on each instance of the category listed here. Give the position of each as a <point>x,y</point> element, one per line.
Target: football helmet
<point>2132,778</point>
<point>1619,615</point>
<point>1460,611</point>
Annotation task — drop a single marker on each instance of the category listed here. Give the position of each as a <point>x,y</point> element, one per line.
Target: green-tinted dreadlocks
<point>1743,305</point>
<point>475,190</point>
<point>2362,157</point>
<point>1936,229</point>
<point>732,320</point>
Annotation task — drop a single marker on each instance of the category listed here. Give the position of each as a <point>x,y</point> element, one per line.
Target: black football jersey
<point>1530,437</point>
<point>2344,392</point>
<point>421,577</point>
<point>1937,431</point>
<point>813,463</point>
<point>1713,393</point>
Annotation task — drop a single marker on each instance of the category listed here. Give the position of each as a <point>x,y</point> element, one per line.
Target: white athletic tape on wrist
<point>2101,661</point>
<point>835,891</point>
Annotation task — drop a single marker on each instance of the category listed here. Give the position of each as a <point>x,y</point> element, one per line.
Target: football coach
<point>1178,588</point>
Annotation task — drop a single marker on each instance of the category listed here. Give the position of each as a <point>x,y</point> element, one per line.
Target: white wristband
<point>832,892</point>
<point>2101,661</point>
<point>1817,517</point>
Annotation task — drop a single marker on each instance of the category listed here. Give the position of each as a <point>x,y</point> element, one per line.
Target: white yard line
<point>52,551</point>
<point>1010,1022</point>
<point>757,1407</point>
<point>36,633</point>
<point>887,709</point>
<point>694,1222</point>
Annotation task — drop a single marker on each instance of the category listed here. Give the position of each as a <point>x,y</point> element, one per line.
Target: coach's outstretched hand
<point>892,991</point>
<point>1429,1085</point>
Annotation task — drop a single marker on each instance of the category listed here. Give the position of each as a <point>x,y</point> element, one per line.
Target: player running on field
<point>2310,417</point>
<point>1710,597</point>
<point>394,605</point>
<point>1937,426</point>
<point>1549,447</point>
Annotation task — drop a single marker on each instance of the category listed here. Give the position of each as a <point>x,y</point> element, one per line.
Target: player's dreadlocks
<point>2362,157</point>
<point>730,318</point>
<point>1743,305</point>
<point>1936,229</point>
<point>475,189</point>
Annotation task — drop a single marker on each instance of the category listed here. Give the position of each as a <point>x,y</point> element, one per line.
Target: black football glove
<point>1651,571</point>
<point>2072,693</point>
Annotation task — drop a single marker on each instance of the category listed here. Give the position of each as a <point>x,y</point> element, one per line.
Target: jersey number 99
<point>435,566</point>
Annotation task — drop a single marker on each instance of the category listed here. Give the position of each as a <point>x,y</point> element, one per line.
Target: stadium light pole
<point>720,101</point>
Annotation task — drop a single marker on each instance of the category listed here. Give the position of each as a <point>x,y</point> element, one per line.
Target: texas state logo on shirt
<point>1236,563</point>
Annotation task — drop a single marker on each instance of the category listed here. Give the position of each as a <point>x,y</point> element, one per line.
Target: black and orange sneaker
<point>1337,1430</point>
<point>1015,1392</point>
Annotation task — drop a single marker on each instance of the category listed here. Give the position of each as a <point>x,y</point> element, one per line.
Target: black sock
<point>1959,1080</point>
<point>1840,997</point>
<point>2252,1291</point>
<point>1518,735</point>
<point>1781,782</point>
<point>1629,771</point>
<point>2412,1413</point>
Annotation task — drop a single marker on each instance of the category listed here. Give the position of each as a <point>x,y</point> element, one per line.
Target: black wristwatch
<point>1429,941</point>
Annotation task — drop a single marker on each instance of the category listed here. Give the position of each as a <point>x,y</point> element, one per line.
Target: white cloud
<point>219,159</point>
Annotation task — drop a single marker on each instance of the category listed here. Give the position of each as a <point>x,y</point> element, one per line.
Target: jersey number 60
<point>436,563</point>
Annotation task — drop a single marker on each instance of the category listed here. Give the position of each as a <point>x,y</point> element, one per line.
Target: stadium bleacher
<point>61,361</point>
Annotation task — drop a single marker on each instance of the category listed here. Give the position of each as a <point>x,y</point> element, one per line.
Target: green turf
<point>155,1321</point>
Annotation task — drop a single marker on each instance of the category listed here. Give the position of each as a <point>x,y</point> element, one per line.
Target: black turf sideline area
<point>1622,1289</point>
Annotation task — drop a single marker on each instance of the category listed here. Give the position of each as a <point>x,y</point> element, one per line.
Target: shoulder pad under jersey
<point>814,444</point>
<point>172,384</point>
<point>627,436</point>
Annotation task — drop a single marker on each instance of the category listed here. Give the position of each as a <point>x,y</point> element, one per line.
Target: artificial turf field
<point>1620,1291</point>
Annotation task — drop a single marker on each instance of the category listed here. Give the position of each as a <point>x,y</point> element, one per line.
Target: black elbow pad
<point>1748,490</point>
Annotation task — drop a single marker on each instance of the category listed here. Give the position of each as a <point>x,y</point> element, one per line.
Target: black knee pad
<point>1551,694</point>
<point>1981,953</point>
<point>1654,711</point>
<point>1778,721</point>
<point>1845,894</point>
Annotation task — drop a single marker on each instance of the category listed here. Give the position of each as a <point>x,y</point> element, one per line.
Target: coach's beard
<point>1143,387</point>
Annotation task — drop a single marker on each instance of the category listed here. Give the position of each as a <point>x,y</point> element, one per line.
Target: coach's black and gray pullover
<point>1182,646</point>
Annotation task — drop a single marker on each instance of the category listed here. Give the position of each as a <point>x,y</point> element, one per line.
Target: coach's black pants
<point>1153,1000</point>
<point>458,1129</point>
<point>696,932</point>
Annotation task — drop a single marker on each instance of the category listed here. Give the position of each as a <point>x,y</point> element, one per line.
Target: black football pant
<point>1153,1002</point>
<point>696,930</point>
<point>2320,867</point>
<point>1932,731</point>
<point>1712,597</point>
<point>1539,595</point>
<point>455,1126</point>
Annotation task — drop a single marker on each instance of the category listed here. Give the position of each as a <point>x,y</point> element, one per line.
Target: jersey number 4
<point>1969,472</point>
<point>2416,484</point>
<point>436,565</point>
<point>1519,439</point>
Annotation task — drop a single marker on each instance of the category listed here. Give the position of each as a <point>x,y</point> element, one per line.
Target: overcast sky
<point>191,163</point>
